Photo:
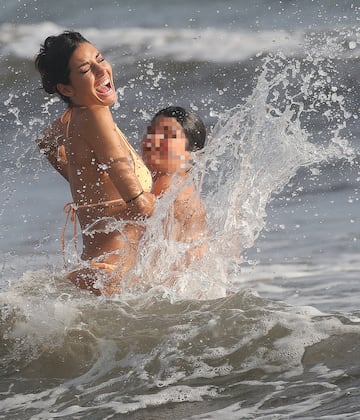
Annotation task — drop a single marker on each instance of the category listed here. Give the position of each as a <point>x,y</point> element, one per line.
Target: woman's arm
<point>103,138</point>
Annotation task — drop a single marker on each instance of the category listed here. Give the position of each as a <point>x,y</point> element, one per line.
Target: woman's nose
<point>98,69</point>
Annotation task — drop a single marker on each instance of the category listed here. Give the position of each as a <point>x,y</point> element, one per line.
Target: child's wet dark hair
<point>192,124</point>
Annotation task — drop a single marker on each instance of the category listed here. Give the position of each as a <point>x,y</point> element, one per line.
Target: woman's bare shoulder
<point>93,123</point>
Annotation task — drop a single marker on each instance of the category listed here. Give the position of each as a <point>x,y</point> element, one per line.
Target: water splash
<point>254,150</point>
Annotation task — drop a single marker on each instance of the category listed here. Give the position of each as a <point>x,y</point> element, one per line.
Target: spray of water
<point>254,150</point>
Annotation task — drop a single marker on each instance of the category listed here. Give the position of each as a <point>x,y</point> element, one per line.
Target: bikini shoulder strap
<point>65,119</point>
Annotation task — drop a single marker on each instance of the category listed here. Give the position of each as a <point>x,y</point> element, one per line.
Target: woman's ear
<point>65,90</point>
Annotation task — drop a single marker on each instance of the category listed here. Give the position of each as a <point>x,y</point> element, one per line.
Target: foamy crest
<point>149,352</point>
<point>39,315</point>
<point>180,44</point>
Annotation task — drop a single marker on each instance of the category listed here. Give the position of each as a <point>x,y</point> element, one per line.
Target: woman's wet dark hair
<point>192,124</point>
<point>53,60</point>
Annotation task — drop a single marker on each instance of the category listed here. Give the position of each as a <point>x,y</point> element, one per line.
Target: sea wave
<point>214,45</point>
<point>151,352</point>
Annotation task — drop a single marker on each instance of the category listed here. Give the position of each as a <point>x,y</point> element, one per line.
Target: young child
<point>166,150</point>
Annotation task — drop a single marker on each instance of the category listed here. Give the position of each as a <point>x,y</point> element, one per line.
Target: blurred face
<point>91,79</point>
<point>164,146</point>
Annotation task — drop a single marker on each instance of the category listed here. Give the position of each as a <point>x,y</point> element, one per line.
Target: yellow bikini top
<point>141,171</point>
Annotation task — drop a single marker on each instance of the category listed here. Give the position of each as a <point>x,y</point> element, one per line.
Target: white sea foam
<point>148,352</point>
<point>215,45</point>
<point>183,44</point>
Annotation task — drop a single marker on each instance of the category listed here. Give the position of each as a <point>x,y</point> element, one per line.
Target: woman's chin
<point>108,99</point>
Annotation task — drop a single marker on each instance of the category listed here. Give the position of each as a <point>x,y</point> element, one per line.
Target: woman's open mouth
<point>105,89</point>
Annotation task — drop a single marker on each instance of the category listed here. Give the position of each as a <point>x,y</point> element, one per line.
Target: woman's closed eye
<point>85,68</point>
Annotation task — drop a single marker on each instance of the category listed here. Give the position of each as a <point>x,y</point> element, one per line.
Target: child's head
<point>191,123</point>
<point>171,136</point>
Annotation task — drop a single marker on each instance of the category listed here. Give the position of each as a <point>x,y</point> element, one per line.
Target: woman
<point>110,184</point>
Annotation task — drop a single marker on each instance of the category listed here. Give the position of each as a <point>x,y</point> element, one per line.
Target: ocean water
<point>267,325</point>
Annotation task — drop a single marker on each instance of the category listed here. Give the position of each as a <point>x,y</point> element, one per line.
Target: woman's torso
<point>99,204</point>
